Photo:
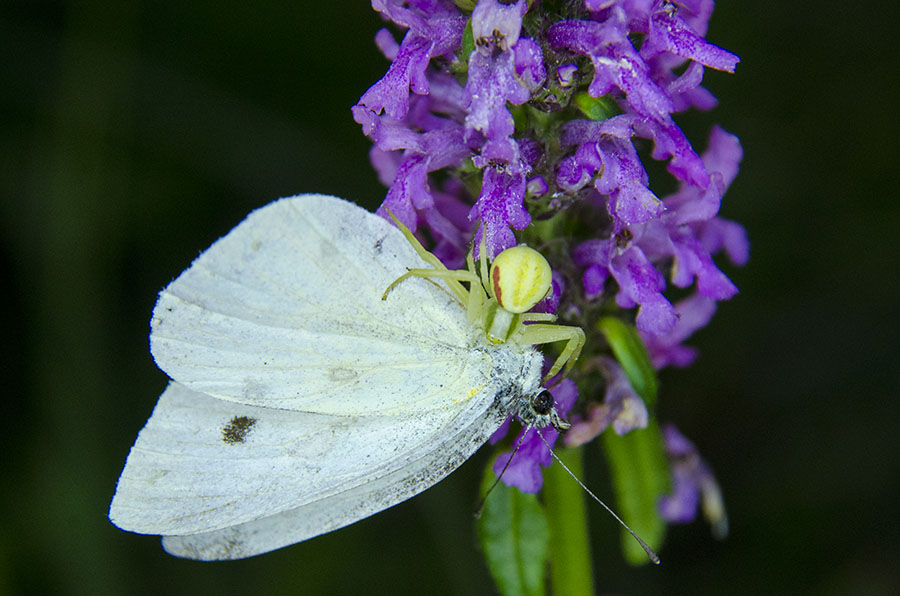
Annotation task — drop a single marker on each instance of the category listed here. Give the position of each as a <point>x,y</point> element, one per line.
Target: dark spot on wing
<point>237,429</point>
<point>377,247</point>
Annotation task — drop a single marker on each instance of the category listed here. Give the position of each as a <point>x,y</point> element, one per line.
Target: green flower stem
<point>570,551</point>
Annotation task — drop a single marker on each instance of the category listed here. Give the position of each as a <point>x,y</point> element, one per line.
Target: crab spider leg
<point>471,299</point>
<point>455,287</point>
<point>482,258</point>
<point>546,334</point>
<point>414,242</point>
<point>476,295</point>
<point>531,317</point>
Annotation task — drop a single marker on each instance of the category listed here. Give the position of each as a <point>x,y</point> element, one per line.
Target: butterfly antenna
<point>643,544</point>
<point>480,508</point>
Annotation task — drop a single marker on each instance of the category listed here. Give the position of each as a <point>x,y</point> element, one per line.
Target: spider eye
<point>543,403</point>
<point>521,277</point>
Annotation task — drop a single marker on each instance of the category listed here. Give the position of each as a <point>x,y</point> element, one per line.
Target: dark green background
<point>134,134</point>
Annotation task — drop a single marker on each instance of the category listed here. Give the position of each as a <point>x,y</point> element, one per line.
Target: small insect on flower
<point>325,367</point>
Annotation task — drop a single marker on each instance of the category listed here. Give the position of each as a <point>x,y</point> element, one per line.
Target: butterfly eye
<point>542,403</point>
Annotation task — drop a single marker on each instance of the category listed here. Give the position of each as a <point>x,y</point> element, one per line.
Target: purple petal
<point>571,176</point>
<point>692,260</point>
<point>694,204</point>
<point>384,41</point>
<point>529,64</point>
<point>501,152</point>
<point>531,151</point>
<point>596,256</point>
<point>718,234</point>
<point>566,74</point>
<point>594,279</point>
<point>681,505</point>
<point>723,155</point>
<point>625,180</point>
<point>391,92</point>
<point>497,24</point>
<point>594,252</point>
<point>616,63</point>
<point>669,32</point>
<point>536,186</point>
<point>693,313</point>
<point>385,164</point>
<point>498,208</point>
<point>669,141</point>
<point>551,302</point>
<point>491,84</point>
<point>640,283</point>
<point>685,90</point>
<point>409,192</point>
<point>693,484</point>
<point>634,203</point>
<point>622,407</point>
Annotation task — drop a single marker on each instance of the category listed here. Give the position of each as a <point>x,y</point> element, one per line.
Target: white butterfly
<point>301,400</point>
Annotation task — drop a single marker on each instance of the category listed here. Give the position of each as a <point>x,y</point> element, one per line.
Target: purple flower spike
<point>693,483</point>
<point>473,144</point>
<point>524,471</point>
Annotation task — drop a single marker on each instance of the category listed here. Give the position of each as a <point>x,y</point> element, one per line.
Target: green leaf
<point>514,537</point>
<point>640,477</point>
<point>570,550</point>
<point>460,67</point>
<point>596,108</point>
<point>631,353</point>
<point>468,42</point>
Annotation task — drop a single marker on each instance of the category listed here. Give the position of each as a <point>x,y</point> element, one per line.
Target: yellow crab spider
<point>499,299</point>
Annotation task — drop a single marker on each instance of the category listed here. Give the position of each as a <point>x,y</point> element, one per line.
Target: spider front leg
<point>417,246</point>
<point>532,317</point>
<point>548,334</point>
<point>456,289</point>
<point>472,299</point>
